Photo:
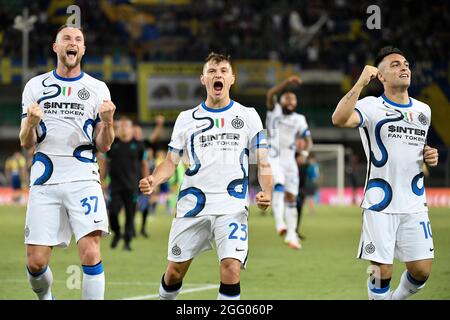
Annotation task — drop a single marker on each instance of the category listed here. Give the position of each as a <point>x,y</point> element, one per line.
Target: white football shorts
<point>385,236</point>
<point>228,234</point>
<point>56,211</point>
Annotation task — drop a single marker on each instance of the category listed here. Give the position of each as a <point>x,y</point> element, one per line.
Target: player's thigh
<point>291,183</point>
<point>46,222</point>
<point>415,238</point>
<point>189,237</point>
<point>86,207</point>
<point>231,236</point>
<point>378,237</point>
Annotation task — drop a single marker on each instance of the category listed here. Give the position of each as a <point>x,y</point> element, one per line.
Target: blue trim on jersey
<point>204,106</point>
<point>48,167</point>
<point>384,153</point>
<point>191,171</point>
<point>256,140</point>
<point>68,79</point>
<point>231,188</point>
<point>278,187</point>
<point>201,200</point>
<point>417,191</point>
<point>93,270</point>
<point>37,274</point>
<point>54,85</point>
<point>175,150</point>
<point>360,118</point>
<point>306,133</point>
<point>399,105</point>
<point>24,115</point>
<point>87,123</point>
<point>383,184</point>
<point>41,138</point>
<point>78,150</point>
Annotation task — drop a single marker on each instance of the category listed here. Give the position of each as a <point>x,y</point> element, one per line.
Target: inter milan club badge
<point>237,123</point>
<point>83,94</point>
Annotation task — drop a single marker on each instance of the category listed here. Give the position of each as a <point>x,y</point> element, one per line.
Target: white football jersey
<point>65,150</point>
<point>394,136</point>
<point>218,143</point>
<point>283,131</point>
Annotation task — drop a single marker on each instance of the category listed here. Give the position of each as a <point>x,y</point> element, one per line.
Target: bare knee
<point>37,260</point>
<point>419,270</point>
<point>89,250</point>
<point>289,197</point>
<point>230,271</point>
<point>175,272</point>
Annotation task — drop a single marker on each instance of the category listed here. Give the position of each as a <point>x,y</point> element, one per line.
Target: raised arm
<point>28,137</point>
<point>156,134</point>
<point>345,115</point>
<point>278,88</point>
<point>162,173</point>
<point>105,129</point>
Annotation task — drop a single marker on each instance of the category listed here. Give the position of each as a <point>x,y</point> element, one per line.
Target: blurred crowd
<point>323,34</point>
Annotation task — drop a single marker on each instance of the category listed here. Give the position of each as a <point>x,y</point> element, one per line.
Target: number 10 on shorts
<point>234,228</point>
<point>426,229</point>
<point>93,201</point>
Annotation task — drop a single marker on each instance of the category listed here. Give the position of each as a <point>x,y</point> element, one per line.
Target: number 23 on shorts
<point>234,228</point>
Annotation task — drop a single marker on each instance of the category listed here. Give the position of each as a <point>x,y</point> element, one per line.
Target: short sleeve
<point>257,135</point>
<point>27,99</point>
<point>364,110</point>
<point>177,141</point>
<point>303,128</point>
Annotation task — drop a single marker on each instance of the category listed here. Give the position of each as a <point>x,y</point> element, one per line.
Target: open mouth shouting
<point>218,86</point>
<point>71,53</point>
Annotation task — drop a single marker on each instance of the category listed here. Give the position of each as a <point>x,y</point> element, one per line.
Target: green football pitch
<point>325,268</point>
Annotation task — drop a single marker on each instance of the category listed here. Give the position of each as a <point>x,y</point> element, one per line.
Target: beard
<point>286,111</point>
<point>68,64</point>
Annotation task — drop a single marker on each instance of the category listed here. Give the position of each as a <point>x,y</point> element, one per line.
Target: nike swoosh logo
<point>431,249</point>
<point>239,250</point>
<point>95,221</point>
<point>202,125</point>
<point>46,92</point>
<point>390,114</point>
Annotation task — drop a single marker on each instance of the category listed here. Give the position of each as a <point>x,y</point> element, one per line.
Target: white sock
<point>375,293</point>
<point>41,283</point>
<point>407,287</point>
<point>221,296</point>
<point>291,221</point>
<point>93,282</point>
<point>229,291</point>
<point>169,292</point>
<point>278,209</point>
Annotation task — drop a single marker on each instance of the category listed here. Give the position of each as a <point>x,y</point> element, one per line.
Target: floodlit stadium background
<point>150,54</point>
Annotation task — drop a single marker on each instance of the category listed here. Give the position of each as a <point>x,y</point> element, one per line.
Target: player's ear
<point>54,47</point>
<point>233,79</point>
<point>202,80</point>
<point>380,77</point>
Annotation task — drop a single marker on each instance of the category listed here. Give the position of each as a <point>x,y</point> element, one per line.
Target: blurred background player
<point>393,129</point>
<point>126,164</point>
<point>212,209</point>
<point>15,170</point>
<point>284,127</point>
<point>65,194</point>
<point>145,203</point>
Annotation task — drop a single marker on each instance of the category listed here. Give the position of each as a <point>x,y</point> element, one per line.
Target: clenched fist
<point>34,115</point>
<point>146,185</point>
<point>106,111</point>
<point>263,200</point>
<point>368,74</point>
<point>430,156</point>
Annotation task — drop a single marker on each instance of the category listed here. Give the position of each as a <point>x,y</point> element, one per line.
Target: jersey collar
<point>204,106</point>
<point>68,79</point>
<point>398,105</point>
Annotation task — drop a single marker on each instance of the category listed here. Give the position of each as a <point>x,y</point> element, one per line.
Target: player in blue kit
<point>393,129</point>
<point>67,115</point>
<point>220,138</point>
